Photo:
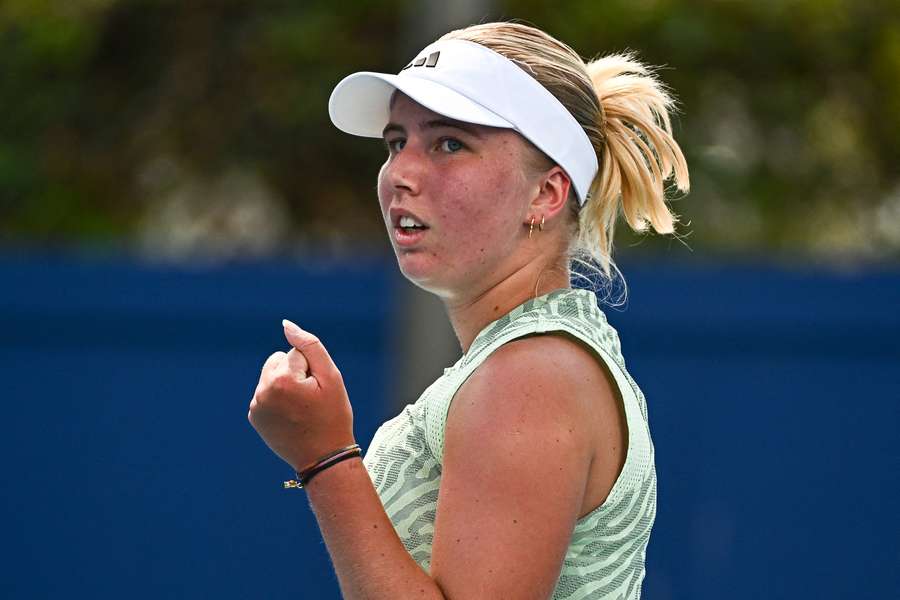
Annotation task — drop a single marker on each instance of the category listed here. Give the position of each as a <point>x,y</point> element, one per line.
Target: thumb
<point>320,363</point>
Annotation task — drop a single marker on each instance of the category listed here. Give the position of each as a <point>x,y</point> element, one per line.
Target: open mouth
<point>408,231</point>
<point>409,225</point>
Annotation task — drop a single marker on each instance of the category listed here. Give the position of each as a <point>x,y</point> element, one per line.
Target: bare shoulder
<point>519,445</point>
<point>557,368</point>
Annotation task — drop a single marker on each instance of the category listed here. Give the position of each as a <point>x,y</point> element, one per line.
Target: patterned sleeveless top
<point>605,557</point>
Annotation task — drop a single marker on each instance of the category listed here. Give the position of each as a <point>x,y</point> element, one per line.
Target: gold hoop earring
<point>541,226</point>
<point>531,227</point>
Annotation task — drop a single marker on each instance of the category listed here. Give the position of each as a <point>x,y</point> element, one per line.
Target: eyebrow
<point>434,124</point>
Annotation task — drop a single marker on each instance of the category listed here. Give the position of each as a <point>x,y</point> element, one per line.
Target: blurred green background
<point>186,130</point>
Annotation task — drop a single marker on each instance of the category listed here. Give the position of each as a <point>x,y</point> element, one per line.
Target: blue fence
<point>130,468</point>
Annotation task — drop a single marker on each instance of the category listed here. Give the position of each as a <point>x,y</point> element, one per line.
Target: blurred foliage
<point>185,126</point>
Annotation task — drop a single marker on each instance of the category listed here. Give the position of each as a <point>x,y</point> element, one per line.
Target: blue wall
<point>130,468</point>
<point>774,400</point>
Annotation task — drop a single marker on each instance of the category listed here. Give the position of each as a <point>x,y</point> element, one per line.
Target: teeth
<point>409,222</point>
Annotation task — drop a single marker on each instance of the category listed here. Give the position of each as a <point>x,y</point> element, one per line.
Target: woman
<point>527,469</point>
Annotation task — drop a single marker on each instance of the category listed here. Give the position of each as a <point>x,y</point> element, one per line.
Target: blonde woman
<point>527,469</point>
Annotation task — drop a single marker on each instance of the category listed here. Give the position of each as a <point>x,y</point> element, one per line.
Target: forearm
<point>370,560</point>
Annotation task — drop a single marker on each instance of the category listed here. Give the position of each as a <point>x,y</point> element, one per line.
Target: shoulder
<point>547,372</point>
<point>533,387</point>
<point>518,452</point>
<point>556,352</point>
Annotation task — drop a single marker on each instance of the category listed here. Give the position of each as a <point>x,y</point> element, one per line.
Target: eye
<point>451,144</point>
<point>395,145</point>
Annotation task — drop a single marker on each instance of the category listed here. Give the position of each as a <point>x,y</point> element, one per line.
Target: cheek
<point>481,228</point>
<point>383,191</point>
<point>496,202</point>
<point>486,188</point>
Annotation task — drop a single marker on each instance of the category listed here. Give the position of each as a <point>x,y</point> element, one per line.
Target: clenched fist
<point>300,407</point>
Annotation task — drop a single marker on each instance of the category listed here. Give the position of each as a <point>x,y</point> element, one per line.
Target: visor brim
<point>360,103</point>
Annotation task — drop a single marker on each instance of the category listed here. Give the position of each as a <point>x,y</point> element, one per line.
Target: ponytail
<point>637,157</point>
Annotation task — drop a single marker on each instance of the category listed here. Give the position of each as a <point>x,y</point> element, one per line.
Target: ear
<point>552,194</point>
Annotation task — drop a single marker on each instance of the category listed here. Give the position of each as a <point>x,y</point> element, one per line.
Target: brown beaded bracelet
<point>323,463</point>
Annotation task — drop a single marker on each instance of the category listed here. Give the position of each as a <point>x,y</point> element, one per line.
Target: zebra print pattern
<point>605,557</point>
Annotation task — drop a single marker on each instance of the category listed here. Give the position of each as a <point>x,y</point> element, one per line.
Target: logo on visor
<point>429,61</point>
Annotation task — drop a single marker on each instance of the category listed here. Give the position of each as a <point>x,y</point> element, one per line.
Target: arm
<point>516,457</point>
<point>368,556</point>
<point>517,453</point>
<point>301,410</point>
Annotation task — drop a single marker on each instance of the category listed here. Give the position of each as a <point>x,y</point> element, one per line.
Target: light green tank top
<point>605,557</point>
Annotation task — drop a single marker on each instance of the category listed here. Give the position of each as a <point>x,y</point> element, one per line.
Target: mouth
<point>408,229</point>
<point>409,236</point>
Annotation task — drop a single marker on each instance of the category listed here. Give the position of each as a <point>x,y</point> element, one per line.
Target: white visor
<point>469,82</point>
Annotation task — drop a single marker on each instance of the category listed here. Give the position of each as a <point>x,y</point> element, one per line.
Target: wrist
<point>333,477</point>
<point>324,462</point>
<point>318,455</point>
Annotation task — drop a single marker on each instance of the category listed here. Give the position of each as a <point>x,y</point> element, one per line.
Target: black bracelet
<point>330,460</point>
<point>307,475</point>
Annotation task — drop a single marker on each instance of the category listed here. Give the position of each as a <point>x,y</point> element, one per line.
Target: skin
<point>534,439</point>
<point>470,188</point>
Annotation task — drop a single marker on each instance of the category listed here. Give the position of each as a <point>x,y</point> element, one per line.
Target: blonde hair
<point>624,109</point>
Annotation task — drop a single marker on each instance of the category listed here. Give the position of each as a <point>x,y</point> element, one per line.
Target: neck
<point>470,315</point>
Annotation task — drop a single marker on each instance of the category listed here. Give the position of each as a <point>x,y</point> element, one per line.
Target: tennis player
<point>527,469</point>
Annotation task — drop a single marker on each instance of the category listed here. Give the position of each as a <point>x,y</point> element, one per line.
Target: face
<point>466,184</point>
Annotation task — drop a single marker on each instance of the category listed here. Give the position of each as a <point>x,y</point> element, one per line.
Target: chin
<point>423,271</point>
<point>416,269</point>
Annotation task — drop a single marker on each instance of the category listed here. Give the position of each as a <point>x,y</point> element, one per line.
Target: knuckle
<point>273,358</point>
<point>282,382</point>
<point>314,341</point>
<point>262,392</point>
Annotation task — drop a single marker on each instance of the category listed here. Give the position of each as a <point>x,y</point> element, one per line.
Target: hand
<point>300,407</point>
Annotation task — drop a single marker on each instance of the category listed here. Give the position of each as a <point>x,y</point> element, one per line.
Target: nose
<point>404,170</point>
